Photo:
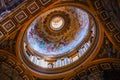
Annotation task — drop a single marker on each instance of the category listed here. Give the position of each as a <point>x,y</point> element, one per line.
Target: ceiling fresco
<point>43,42</point>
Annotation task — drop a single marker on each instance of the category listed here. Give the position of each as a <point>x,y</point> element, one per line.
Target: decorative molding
<point>104,15</point>
<point>1,34</point>
<point>19,69</point>
<point>33,7</point>
<point>110,26</point>
<point>117,37</point>
<point>105,66</point>
<point>93,69</point>
<point>9,63</point>
<point>8,25</point>
<point>96,68</point>
<point>44,2</point>
<point>116,66</point>
<point>21,16</point>
<point>25,77</point>
<point>82,73</point>
<point>2,57</point>
<point>98,4</point>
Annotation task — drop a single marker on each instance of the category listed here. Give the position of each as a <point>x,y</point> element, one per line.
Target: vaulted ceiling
<point>101,60</point>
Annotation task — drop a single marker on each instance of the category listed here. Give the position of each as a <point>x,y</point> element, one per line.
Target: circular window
<point>57,22</point>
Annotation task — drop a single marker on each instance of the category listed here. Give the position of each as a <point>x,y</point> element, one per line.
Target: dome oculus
<point>57,23</point>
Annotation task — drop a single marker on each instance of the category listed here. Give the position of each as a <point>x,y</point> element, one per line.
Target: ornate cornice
<point>107,18</point>
<point>14,68</point>
<point>12,22</point>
